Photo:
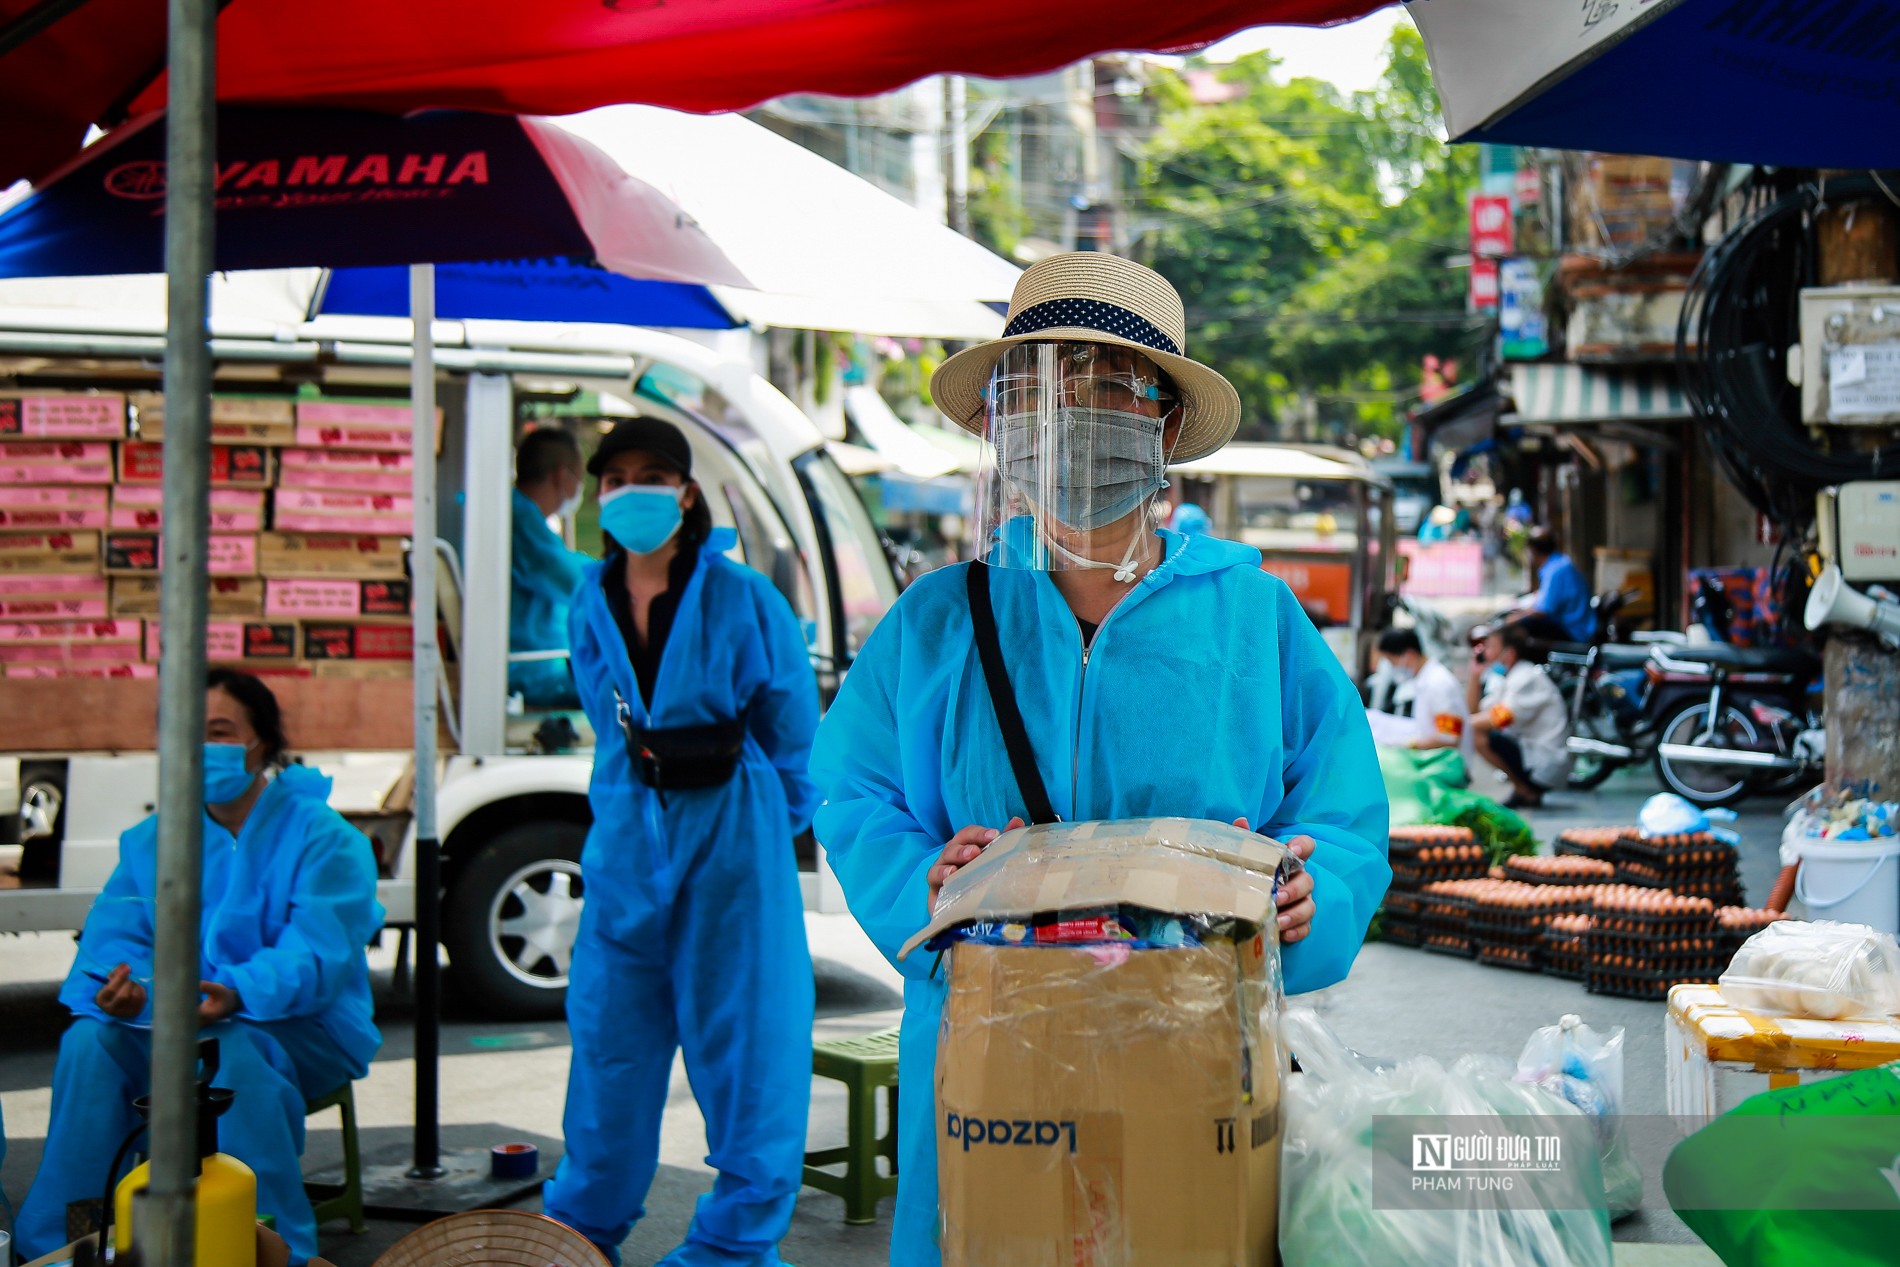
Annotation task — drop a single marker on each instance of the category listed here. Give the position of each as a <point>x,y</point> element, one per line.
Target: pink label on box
<point>65,584</point>
<point>69,652</point>
<point>63,417</point>
<point>66,671</point>
<point>312,598</point>
<point>52,608</point>
<point>346,460</point>
<point>40,518</point>
<point>43,453</point>
<point>52,472</point>
<point>345,481</point>
<point>232,556</point>
<point>153,496</point>
<point>377,439</point>
<point>147,519</point>
<point>325,502</point>
<point>400,417</point>
<point>356,525</point>
<point>70,630</point>
<point>66,497</point>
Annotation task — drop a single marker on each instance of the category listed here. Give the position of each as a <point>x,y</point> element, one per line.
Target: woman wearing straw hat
<point>1112,631</point>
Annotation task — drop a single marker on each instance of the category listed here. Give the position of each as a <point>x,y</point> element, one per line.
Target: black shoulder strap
<point>989,649</point>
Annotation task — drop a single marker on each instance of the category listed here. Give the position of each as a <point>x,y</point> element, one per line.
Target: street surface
<point>504,1082</point>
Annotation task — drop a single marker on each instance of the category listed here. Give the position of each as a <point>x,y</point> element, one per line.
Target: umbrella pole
<point>428,1142</point>
<point>166,1219</point>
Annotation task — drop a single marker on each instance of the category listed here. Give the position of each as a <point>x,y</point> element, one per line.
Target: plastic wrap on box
<point>1719,1054</point>
<point>1822,969</point>
<point>1104,1100</point>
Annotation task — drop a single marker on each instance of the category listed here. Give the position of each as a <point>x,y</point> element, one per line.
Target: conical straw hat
<point>1089,297</point>
<point>502,1238</point>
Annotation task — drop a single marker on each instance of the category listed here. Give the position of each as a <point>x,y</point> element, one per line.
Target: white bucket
<point>1854,881</point>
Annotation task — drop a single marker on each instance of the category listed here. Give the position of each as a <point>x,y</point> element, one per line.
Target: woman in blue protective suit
<point>698,683</point>
<point>1112,632</point>
<point>289,905</point>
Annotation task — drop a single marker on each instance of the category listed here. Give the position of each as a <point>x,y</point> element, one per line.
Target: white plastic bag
<point>1574,1062</point>
<point>1822,969</point>
<point>1328,1211</point>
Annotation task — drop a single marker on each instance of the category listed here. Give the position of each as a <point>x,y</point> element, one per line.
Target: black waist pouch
<point>682,758</point>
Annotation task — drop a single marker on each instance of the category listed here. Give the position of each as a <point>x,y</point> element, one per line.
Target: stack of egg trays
<point>1639,955</point>
<point>1591,842</point>
<point>1694,864</point>
<point>1400,915</point>
<point>1736,924</point>
<point>1519,869</point>
<point>1566,949</point>
<point>1507,924</point>
<point>1445,919</point>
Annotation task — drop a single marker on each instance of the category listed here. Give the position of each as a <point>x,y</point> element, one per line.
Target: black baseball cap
<point>644,435</point>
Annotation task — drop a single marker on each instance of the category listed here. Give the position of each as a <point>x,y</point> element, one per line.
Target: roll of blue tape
<point>514,1161</point>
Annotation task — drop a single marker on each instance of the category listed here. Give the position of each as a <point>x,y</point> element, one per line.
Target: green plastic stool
<point>863,1064</point>
<point>340,1200</point>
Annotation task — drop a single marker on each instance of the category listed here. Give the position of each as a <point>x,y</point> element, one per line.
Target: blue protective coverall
<point>1206,693</point>
<point>693,935</point>
<point>542,577</point>
<point>289,905</point>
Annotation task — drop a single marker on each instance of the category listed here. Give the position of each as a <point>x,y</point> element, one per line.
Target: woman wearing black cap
<point>698,682</point>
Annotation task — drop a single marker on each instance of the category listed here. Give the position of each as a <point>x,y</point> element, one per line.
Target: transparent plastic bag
<point>1823,969</point>
<point>1574,1062</point>
<point>1329,1210</point>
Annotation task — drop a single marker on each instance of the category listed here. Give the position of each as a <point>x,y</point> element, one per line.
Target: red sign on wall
<point>1490,225</point>
<point>1485,287</point>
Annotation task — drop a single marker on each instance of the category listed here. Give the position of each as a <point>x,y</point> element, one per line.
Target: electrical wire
<point>1741,314</point>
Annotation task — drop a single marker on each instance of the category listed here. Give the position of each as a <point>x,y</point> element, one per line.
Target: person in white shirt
<point>1520,725</point>
<point>1428,706</point>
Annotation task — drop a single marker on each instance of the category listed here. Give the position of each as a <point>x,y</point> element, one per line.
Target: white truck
<point>512,808</point>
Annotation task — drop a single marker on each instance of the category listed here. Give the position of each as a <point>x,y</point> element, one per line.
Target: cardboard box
<point>290,555</point>
<point>49,552</point>
<point>236,641</point>
<point>227,597</point>
<point>239,420</point>
<point>30,508</point>
<point>1104,1105</point>
<point>329,510</point>
<point>1718,1055</point>
<point>335,600</point>
<point>56,462</point>
<point>346,471</point>
<point>60,585</point>
<point>337,424</point>
<point>44,672</point>
<point>123,651</point>
<point>357,640</point>
<point>226,554</point>
<point>232,465</point>
<point>102,630</point>
<point>62,416</point>
<point>141,508</point>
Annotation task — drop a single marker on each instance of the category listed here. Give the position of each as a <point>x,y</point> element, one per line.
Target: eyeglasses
<point>1023,393</point>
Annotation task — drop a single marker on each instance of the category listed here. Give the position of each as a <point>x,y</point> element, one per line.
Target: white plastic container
<point>1851,881</point>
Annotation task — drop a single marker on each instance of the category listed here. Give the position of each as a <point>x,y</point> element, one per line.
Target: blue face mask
<point>641,517</point>
<point>226,779</point>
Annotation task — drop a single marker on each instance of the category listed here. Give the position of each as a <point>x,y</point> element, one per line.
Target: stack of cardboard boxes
<point>310,511</point>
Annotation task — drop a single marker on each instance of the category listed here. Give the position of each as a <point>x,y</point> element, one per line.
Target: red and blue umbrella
<point>354,189</point>
<point>1794,83</point>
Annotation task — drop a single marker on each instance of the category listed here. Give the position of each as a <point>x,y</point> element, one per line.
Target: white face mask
<point>1399,671</point>
<point>568,507</point>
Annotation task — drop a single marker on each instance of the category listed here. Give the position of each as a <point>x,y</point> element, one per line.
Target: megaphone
<point>1833,601</point>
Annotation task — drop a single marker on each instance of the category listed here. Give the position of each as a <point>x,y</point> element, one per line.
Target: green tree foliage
<point>1308,234</point>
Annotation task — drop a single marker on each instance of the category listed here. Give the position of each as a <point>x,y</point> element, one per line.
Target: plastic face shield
<point>1077,451</point>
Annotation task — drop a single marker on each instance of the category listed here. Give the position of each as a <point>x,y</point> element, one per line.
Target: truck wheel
<point>512,917</point>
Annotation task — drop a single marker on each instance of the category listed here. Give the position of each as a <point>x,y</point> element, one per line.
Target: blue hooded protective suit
<point>289,905</point>
<point>542,577</point>
<point>693,935</point>
<point>1206,693</point>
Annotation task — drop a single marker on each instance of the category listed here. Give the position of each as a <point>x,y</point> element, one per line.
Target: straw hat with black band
<point>1088,297</point>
